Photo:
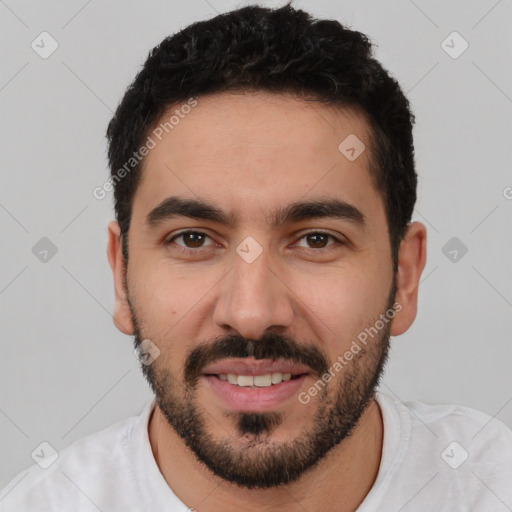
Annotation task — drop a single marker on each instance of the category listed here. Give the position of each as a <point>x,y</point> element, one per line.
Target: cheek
<point>170,302</point>
<point>345,303</point>
<point>160,298</point>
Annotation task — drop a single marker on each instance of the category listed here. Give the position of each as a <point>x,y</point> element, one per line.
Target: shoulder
<point>448,419</point>
<point>467,422</point>
<point>79,474</point>
<point>466,452</point>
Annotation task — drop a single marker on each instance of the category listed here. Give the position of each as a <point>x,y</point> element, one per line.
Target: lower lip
<point>247,399</point>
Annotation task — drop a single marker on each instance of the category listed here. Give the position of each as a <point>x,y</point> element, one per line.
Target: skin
<point>249,154</point>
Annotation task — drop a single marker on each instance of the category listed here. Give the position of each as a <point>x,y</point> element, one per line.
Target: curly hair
<point>281,51</point>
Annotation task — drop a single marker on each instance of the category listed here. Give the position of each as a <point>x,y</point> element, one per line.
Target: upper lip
<point>251,366</point>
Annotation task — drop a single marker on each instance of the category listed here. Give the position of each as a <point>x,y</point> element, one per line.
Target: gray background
<point>66,371</point>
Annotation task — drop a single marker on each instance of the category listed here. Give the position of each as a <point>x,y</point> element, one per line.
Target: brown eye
<point>191,239</point>
<point>318,240</point>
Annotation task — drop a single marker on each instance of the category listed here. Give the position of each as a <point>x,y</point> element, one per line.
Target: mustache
<point>269,346</point>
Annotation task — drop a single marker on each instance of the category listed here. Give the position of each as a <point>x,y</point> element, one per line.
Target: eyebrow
<point>199,209</point>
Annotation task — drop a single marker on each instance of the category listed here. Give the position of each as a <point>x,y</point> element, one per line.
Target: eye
<point>191,239</point>
<point>319,240</point>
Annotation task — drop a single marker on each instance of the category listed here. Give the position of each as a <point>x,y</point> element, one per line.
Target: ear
<point>122,313</point>
<point>412,257</point>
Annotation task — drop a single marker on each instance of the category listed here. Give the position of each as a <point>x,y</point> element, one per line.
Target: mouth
<point>256,381</point>
<point>248,385</point>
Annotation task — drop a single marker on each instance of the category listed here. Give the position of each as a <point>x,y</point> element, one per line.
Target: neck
<point>338,483</point>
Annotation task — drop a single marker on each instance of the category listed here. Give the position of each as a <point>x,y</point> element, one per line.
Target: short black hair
<point>282,51</point>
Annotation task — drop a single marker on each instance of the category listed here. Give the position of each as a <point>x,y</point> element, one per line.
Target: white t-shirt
<point>435,458</point>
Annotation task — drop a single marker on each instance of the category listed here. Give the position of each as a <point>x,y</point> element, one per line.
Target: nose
<point>253,298</point>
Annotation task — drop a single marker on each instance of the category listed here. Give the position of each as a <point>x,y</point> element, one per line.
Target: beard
<point>252,458</point>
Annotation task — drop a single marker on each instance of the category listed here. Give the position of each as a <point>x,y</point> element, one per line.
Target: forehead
<point>248,151</point>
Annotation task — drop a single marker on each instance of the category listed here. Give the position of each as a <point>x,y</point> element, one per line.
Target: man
<point>263,255</point>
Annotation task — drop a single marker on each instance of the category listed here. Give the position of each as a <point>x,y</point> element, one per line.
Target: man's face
<point>293,290</point>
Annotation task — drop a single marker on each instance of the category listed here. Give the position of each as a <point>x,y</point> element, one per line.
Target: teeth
<point>277,378</point>
<point>260,381</point>
<point>245,380</point>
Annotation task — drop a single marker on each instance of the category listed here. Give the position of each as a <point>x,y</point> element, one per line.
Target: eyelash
<point>189,250</point>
